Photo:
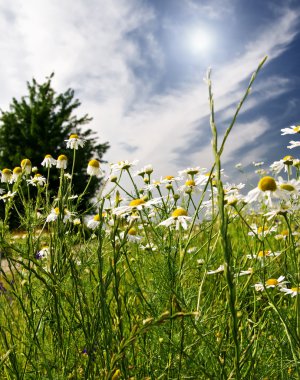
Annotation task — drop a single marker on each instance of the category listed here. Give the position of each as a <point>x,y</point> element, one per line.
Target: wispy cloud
<point>108,51</point>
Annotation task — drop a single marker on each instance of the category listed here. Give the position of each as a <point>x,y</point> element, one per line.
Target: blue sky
<point>137,66</point>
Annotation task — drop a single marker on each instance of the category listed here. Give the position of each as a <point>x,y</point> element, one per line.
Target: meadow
<point>187,276</point>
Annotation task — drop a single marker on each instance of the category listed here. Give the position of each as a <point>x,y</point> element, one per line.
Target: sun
<point>200,40</point>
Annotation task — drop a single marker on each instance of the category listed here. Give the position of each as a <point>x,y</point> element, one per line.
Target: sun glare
<point>200,40</point>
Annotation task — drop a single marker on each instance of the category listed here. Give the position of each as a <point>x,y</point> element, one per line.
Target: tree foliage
<point>39,124</point>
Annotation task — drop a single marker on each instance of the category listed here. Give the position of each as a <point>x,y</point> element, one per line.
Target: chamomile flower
<point>294,144</point>
<point>247,272</point>
<point>131,235</point>
<point>17,173</point>
<point>135,205</point>
<point>293,292</point>
<point>148,169</point>
<point>37,180</point>
<point>178,218</point>
<point>123,165</point>
<point>218,270</point>
<point>265,190</point>
<point>281,210</point>
<point>9,195</point>
<point>6,176</point>
<point>291,130</point>
<point>189,187</point>
<point>74,142</point>
<point>192,171</point>
<point>62,162</point>
<point>169,179</point>
<point>26,165</point>
<point>264,254</point>
<point>48,161</point>
<point>284,163</point>
<point>291,187</point>
<point>94,222</point>
<point>93,168</point>
<point>271,283</point>
<point>54,214</point>
<point>261,231</point>
<point>52,217</point>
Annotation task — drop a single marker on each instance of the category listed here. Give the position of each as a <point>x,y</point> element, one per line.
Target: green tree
<point>39,124</point>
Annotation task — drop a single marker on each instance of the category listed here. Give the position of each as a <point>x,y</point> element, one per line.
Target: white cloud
<point>91,48</point>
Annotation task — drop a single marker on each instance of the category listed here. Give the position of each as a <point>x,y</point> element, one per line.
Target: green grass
<point>101,306</point>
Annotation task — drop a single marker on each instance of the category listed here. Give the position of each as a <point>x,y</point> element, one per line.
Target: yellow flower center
<point>136,202</point>
<point>17,170</point>
<point>179,212</point>
<point>62,157</point>
<point>296,129</point>
<point>287,187</point>
<point>288,160</point>
<point>262,229</point>
<point>169,177</point>
<point>132,231</point>
<point>6,171</point>
<point>94,164</point>
<point>190,183</point>
<point>267,184</point>
<point>272,281</point>
<point>285,232</point>
<point>25,162</point>
<point>97,218</point>
<point>56,210</point>
<point>48,156</point>
<point>74,136</point>
<point>295,289</point>
<point>263,253</point>
<point>37,175</point>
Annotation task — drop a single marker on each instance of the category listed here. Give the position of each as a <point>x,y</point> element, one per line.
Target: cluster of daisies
<point>170,202</point>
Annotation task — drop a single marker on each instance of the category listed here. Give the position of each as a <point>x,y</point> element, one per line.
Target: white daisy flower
<point>26,165</point>
<point>74,142</point>
<point>281,210</point>
<point>294,144</point>
<point>135,205</point>
<point>48,161</point>
<point>93,168</point>
<point>192,171</point>
<point>178,218</point>
<point>284,163</point>
<point>291,187</point>
<point>293,292</point>
<point>264,254</point>
<point>189,187</point>
<point>6,176</point>
<point>218,270</point>
<point>16,173</point>
<point>264,192</point>
<point>37,180</point>
<point>291,130</point>
<point>123,165</point>
<point>7,196</point>
<point>94,222</point>
<point>270,283</point>
<point>53,216</point>
<point>169,179</point>
<point>148,169</point>
<point>247,272</point>
<point>261,231</point>
<point>62,162</point>
<point>131,235</point>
